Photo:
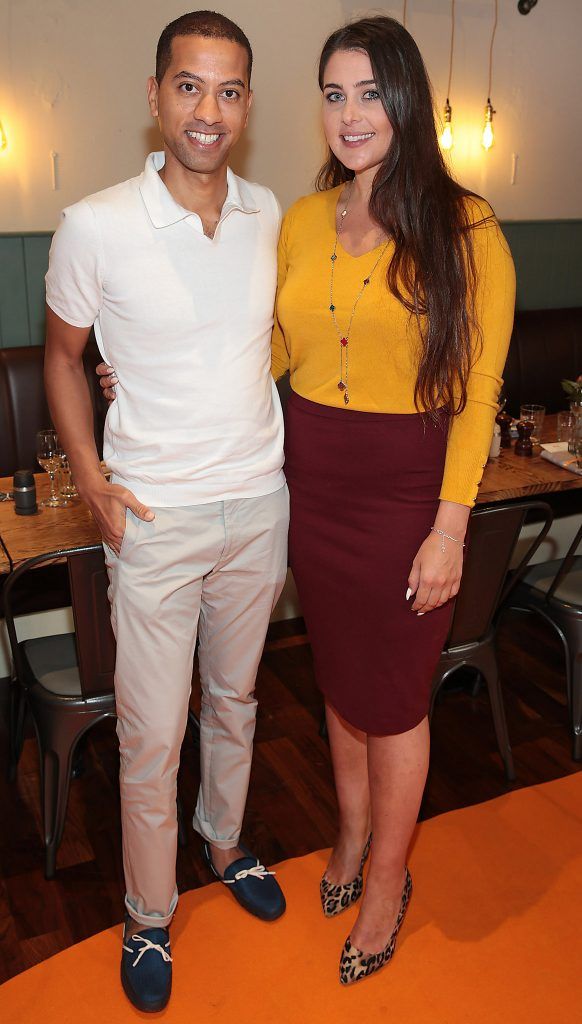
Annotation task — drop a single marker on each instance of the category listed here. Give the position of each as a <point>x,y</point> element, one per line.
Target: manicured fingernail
<point>420,613</point>
<point>408,594</point>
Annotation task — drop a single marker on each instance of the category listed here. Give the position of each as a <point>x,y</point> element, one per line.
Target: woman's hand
<point>107,380</point>
<point>435,576</point>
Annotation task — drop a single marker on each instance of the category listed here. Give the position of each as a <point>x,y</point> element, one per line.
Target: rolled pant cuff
<point>152,920</point>
<point>204,830</point>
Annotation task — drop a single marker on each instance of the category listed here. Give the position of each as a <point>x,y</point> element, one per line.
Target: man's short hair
<point>207,24</point>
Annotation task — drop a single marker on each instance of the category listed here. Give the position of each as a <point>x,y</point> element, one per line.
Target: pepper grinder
<point>524,444</point>
<point>24,489</point>
<point>504,420</point>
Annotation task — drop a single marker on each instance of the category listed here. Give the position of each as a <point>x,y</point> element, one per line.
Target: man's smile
<point>204,138</point>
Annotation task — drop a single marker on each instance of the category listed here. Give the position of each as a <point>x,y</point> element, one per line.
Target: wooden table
<point>513,476</point>
<point>4,560</point>
<point>51,529</point>
<point>509,476</point>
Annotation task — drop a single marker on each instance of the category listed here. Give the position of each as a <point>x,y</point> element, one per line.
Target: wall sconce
<point>3,139</point>
<point>488,137</point>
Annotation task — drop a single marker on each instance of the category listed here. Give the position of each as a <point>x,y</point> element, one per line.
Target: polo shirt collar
<point>163,209</point>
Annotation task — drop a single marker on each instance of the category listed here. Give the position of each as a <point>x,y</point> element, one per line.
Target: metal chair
<point>553,590</point>
<point>67,683</point>
<point>65,680</point>
<point>485,586</point>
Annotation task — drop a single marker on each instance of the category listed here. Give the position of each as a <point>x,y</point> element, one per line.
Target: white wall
<point>72,76</point>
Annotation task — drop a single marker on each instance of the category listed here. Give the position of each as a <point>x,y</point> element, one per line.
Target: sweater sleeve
<point>471,431</point>
<point>280,361</point>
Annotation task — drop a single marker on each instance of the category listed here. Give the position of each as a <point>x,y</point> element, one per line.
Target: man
<point>176,272</point>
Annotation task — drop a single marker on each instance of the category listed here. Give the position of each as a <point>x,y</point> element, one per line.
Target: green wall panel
<point>14,322</point>
<point>36,249</point>
<point>547,254</point>
<point>548,262</point>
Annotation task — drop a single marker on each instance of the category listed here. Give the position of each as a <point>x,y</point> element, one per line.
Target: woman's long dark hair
<point>419,205</point>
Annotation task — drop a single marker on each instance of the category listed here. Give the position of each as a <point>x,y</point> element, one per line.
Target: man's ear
<point>249,105</point>
<point>152,93</point>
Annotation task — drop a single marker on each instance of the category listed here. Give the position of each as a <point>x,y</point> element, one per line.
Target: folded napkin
<point>558,453</point>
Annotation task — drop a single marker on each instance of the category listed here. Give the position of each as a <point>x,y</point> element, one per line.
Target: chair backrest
<point>23,404</point>
<point>567,563</point>
<point>92,615</point>
<point>93,634</point>
<point>492,537</point>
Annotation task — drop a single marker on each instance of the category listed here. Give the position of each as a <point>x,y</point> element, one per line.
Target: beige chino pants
<point>215,569</point>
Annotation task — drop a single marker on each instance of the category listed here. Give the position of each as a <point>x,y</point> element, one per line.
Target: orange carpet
<point>493,934</point>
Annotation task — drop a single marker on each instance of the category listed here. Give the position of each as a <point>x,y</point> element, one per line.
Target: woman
<point>394,313</point>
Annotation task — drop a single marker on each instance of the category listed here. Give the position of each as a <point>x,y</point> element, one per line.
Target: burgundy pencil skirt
<point>364,493</point>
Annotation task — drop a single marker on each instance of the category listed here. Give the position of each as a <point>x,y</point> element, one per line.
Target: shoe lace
<point>147,944</point>
<point>257,871</point>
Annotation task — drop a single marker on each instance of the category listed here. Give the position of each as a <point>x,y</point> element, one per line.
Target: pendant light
<point>446,139</point>
<point>488,137</point>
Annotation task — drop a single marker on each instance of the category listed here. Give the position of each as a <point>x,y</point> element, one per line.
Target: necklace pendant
<point>343,341</point>
<point>341,386</point>
<point>346,398</point>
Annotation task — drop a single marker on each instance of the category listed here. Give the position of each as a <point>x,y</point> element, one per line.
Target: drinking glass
<point>535,414</point>
<point>47,454</point>
<point>564,425</point>
<point>575,440</point>
<point>66,483</point>
<point>576,424</point>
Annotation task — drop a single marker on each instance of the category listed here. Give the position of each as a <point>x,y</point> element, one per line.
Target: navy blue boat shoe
<point>146,967</point>
<point>251,885</point>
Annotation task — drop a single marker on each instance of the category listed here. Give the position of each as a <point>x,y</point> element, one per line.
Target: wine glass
<point>48,456</point>
<point>67,486</point>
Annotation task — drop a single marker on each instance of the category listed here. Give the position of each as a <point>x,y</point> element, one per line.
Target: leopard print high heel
<point>339,896</point>
<point>355,965</point>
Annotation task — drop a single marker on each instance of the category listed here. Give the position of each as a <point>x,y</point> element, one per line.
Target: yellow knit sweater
<point>384,339</point>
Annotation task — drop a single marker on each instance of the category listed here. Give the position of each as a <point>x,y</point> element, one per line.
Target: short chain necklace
<point>344,339</point>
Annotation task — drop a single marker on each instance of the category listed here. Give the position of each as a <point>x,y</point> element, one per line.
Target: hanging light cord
<point>452,48</point>
<point>491,53</point>
<point>404,4</point>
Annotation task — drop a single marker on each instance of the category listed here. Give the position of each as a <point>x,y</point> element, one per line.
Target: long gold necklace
<point>344,338</point>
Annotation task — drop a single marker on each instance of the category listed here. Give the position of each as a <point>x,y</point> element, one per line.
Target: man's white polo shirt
<point>186,322</point>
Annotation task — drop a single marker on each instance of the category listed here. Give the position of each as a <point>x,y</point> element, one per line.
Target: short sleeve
<point>280,360</point>
<point>74,286</point>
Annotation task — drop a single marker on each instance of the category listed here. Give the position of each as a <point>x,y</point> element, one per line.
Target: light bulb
<point>488,138</point>
<point>446,139</point>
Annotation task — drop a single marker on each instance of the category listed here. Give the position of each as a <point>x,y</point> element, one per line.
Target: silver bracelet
<point>444,535</point>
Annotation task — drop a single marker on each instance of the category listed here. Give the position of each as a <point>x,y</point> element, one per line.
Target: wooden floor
<point>291,807</point>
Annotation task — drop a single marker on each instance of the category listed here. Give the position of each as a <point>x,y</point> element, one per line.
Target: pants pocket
<point>129,533</point>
